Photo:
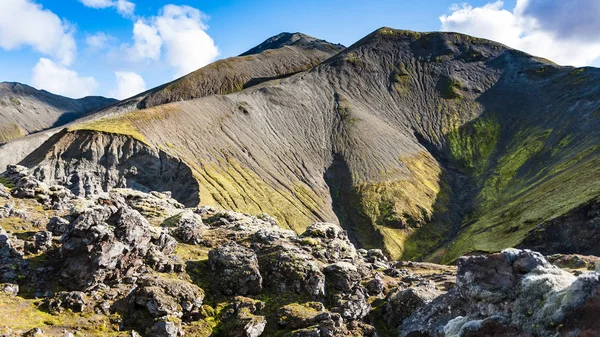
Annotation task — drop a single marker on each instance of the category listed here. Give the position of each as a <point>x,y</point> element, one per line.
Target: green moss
<point>229,185</point>
<point>382,214</point>
<point>122,126</point>
<point>351,58</point>
<point>10,131</point>
<point>17,313</point>
<point>515,197</point>
<point>450,89</point>
<point>7,182</point>
<point>127,124</point>
<point>577,71</point>
<point>471,145</point>
<point>526,144</point>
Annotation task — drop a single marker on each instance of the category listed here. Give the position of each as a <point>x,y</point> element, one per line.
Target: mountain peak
<point>292,39</point>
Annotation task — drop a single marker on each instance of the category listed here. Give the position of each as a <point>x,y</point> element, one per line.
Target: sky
<point>119,48</point>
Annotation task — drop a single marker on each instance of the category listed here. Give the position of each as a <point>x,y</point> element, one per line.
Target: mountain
<point>294,40</point>
<point>428,145</point>
<point>221,77</point>
<point>278,57</point>
<point>25,110</point>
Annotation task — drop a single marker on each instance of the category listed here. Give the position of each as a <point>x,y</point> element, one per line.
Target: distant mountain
<point>428,145</point>
<point>293,39</point>
<point>24,110</point>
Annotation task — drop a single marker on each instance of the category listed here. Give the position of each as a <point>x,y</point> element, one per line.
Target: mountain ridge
<point>406,139</point>
<point>24,109</point>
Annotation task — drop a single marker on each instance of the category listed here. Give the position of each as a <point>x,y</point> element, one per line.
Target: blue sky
<point>120,47</point>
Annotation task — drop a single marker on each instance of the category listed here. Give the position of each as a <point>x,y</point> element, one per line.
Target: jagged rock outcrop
<point>104,245</point>
<point>165,297</point>
<point>236,268</point>
<point>186,226</point>
<point>514,292</point>
<point>115,260</point>
<point>91,163</point>
<point>27,186</point>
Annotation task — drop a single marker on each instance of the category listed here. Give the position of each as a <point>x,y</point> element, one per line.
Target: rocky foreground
<point>128,263</point>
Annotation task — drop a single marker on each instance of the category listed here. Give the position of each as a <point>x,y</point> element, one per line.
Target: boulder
<point>516,291</point>
<point>4,192</point>
<point>104,245</point>
<point>57,225</point>
<point>288,269</point>
<point>9,288</point>
<point>163,328</point>
<point>352,305</point>
<point>328,243</point>
<point>236,269</point>
<point>169,297</point>
<point>241,318</point>
<point>404,302</point>
<point>75,301</point>
<point>187,227</point>
<point>299,316</point>
<point>42,241</point>
<point>375,286</point>
<point>342,276</point>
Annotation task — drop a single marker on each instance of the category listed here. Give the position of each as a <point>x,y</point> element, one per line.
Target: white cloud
<point>25,23</point>
<point>529,27</point>
<point>128,84</point>
<point>188,46</point>
<point>124,7</point>
<point>98,41</point>
<point>60,80</point>
<point>181,32</point>
<point>146,43</point>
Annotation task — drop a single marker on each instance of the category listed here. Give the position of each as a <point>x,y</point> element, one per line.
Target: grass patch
<point>10,131</point>
<point>7,182</point>
<point>472,144</point>
<point>127,124</point>
<point>229,185</point>
<point>121,126</point>
<point>23,314</point>
<point>450,88</point>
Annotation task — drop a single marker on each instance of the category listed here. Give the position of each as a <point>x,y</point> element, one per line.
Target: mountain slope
<point>25,110</point>
<point>278,57</point>
<point>430,145</point>
<point>277,60</point>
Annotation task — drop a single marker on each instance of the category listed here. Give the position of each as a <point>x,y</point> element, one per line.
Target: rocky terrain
<point>25,110</point>
<point>289,191</point>
<point>428,146</point>
<point>129,263</point>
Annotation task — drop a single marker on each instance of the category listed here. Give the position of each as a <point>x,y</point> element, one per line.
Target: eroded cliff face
<point>89,163</point>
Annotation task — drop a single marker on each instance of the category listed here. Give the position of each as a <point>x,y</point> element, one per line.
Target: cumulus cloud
<point>60,80</point>
<point>25,23</point>
<point>180,32</point>
<point>128,84</point>
<point>147,42</point>
<point>546,28</point>
<point>124,7</point>
<point>98,41</point>
<point>188,46</point>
